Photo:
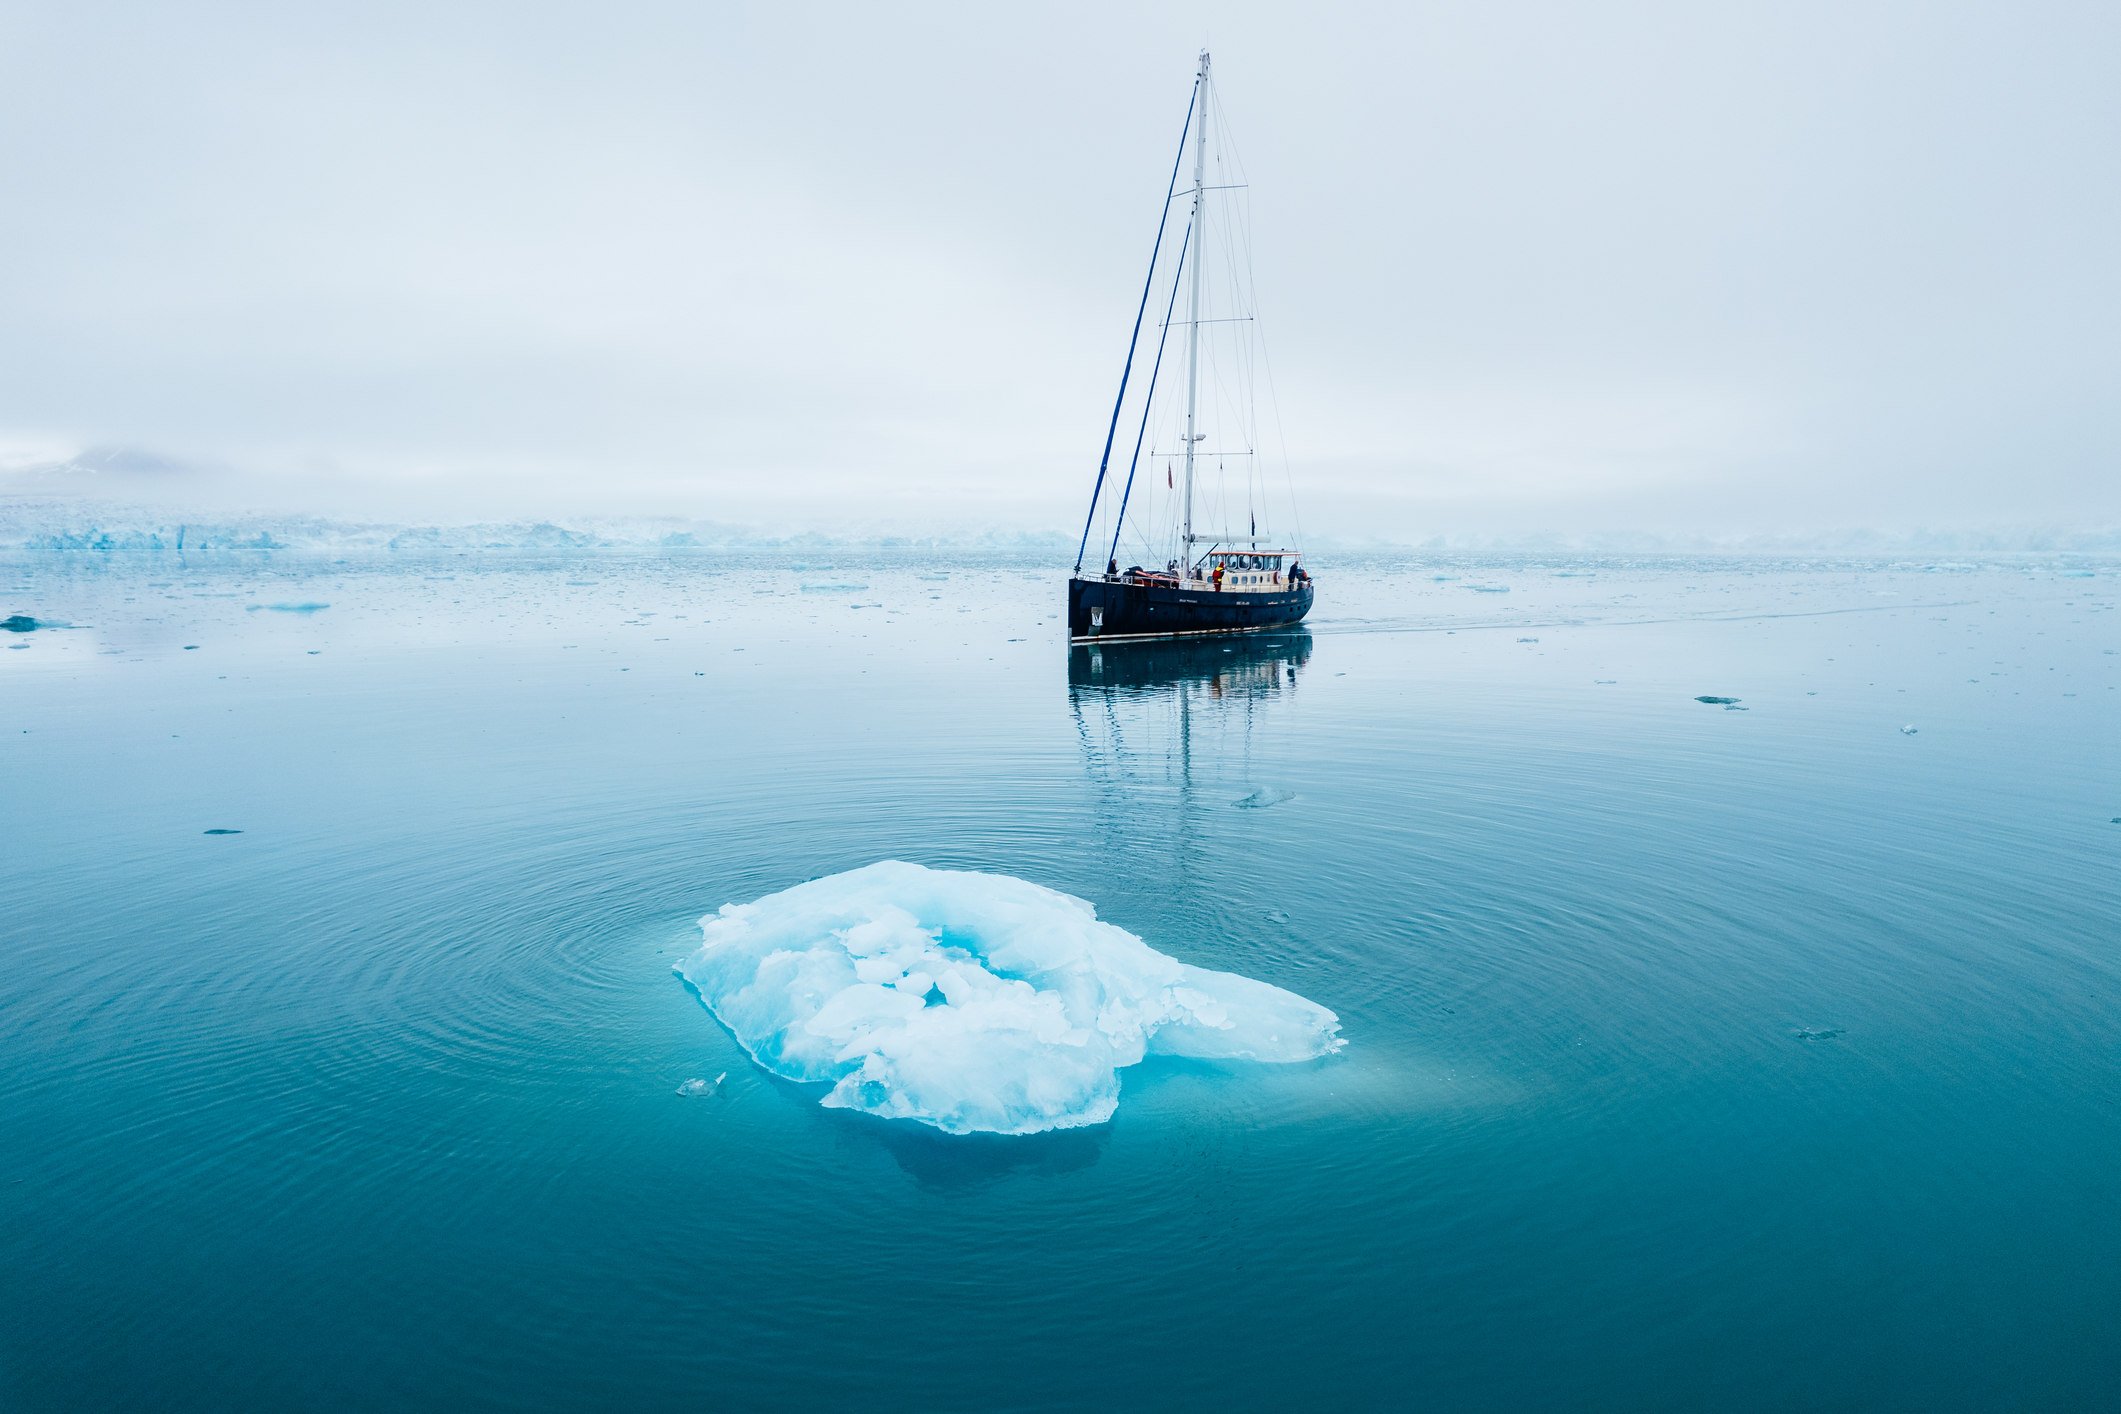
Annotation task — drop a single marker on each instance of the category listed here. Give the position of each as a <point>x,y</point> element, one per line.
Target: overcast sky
<point>1521,267</point>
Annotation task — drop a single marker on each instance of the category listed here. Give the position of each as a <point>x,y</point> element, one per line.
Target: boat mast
<point>1200,249</point>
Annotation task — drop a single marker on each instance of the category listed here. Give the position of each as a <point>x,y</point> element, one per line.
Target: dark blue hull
<point>1104,608</point>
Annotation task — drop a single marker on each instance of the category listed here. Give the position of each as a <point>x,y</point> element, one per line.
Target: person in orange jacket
<point>1218,577</point>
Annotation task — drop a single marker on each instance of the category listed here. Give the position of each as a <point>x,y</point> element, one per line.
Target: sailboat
<point>1211,581</point>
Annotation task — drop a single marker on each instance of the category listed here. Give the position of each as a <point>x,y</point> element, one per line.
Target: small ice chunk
<point>1719,701</point>
<point>1908,730</point>
<point>1264,797</point>
<point>694,1087</point>
<point>1041,1005</point>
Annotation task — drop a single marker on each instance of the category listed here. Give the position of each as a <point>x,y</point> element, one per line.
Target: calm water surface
<point>1699,1057</point>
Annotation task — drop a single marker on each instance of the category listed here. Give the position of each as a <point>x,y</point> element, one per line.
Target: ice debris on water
<point>1042,1004</point>
<point>20,623</point>
<point>304,607</point>
<point>224,832</point>
<point>1719,701</point>
<point>1806,1033</point>
<point>1264,797</point>
<point>1908,730</point>
<point>694,1087</point>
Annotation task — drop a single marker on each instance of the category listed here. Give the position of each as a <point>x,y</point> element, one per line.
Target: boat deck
<point>1146,604</point>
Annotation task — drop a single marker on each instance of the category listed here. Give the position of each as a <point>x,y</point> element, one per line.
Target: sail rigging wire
<point>1232,372</point>
<point>1149,400</point>
<point>1266,356</point>
<point>1233,359</point>
<point>1256,357</point>
<point>1133,339</point>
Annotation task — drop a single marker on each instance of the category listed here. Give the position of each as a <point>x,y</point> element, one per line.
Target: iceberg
<point>973,1002</point>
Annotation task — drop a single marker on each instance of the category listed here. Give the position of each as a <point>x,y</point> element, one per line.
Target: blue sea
<point>1760,1054</point>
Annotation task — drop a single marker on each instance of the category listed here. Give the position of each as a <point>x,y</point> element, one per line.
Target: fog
<point>1523,269</point>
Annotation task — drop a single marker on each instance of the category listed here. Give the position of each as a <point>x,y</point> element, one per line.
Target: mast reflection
<point>1160,717</point>
<point>1217,667</point>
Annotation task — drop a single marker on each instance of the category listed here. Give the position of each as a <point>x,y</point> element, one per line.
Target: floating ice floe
<point>1264,797</point>
<point>974,1002</point>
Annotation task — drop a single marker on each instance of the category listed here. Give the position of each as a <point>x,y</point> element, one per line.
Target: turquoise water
<point>1735,1056</point>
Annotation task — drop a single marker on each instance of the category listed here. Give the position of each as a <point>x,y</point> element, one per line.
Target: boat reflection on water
<point>1172,723</point>
<point>1214,667</point>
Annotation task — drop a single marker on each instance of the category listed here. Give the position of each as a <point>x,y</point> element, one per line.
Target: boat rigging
<point>1233,585</point>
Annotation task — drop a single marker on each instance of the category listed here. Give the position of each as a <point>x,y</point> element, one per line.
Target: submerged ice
<point>974,1002</point>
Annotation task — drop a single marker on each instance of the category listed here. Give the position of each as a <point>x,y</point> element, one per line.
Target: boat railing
<point>1204,583</point>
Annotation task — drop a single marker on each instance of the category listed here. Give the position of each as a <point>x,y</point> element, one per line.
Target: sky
<point>1521,269</point>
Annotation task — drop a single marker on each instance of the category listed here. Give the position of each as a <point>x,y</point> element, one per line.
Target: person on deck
<point>1218,577</point>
